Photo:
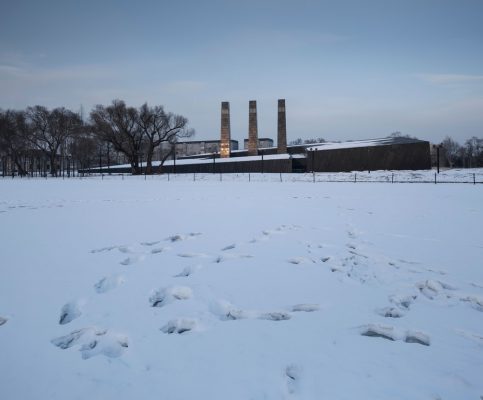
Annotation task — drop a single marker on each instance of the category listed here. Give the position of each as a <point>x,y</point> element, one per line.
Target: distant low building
<point>391,153</point>
<point>263,143</point>
<point>191,148</point>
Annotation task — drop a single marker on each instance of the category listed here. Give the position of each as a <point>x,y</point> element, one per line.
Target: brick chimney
<point>225,130</point>
<point>281,128</point>
<point>252,128</point>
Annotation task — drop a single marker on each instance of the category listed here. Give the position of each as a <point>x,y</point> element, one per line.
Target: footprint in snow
<point>70,311</point>
<point>292,374</point>
<point>477,285</point>
<point>180,325</point>
<point>228,312</point>
<point>475,302</point>
<point>162,297</point>
<point>230,256</point>
<point>229,247</point>
<point>409,262</point>
<point>149,243</point>
<point>403,302</point>
<point>417,337</point>
<point>94,341</point>
<point>188,271</point>
<point>104,249</point>
<point>432,288</point>
<point>132,260</point>
<point>380,331</point>
<point>125,249</point>
<point>300,260</point>
<point>351,234</point>
<point>158,250</point>
<point>108,283</point>
<point>305,307</point>
<point>193,255</point>
<point>390,312</point>
<point>180,237</point>
<point>278,230</point>
<point>390,333</point>
<point>275,316</point>
<point>3,321</point>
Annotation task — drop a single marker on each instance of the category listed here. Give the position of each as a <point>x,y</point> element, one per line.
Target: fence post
<point>355,178</point>
<point>435,178</point>
<point>392,178</point>
<point>280,177</point>
<point>168,176</point>
<point>313,176</point>
<point>221,176</point>
<point>474,179</point>
<point>194,176</point>
<point>249,177</point>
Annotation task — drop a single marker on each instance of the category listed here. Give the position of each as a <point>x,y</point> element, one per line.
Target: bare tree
<point>299,141</point>
<point>452,150</point>
<point>118,125</point>
<point>49,131</point>
<point>160,127</point>
<point>399,134</point>
<point>314,140</point>
<point>474,148</point>
<point>13,139</point>
<point>83,150</point>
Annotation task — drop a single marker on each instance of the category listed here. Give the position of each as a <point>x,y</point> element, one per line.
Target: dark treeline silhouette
<point>300,141</point>
<point>468,155</point>
<point>38,141</point>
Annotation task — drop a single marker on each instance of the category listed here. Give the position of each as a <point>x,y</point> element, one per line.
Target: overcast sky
<point>348,69</point>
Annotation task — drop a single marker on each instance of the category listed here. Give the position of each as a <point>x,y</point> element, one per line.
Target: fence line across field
<point>341,177</point>
<point>429,177</point>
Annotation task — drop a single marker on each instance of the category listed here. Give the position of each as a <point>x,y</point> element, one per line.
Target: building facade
<point>263,143</point>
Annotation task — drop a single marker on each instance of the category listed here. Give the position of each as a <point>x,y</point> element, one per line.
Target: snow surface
<point>156,289</point>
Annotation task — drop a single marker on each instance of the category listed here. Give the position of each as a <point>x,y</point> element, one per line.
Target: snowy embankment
<point>123,289</point>
<point>473,175</point>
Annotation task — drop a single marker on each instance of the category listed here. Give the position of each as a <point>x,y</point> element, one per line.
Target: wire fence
<point>462,176</point>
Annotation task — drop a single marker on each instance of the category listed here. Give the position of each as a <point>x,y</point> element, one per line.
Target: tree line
<point>468,155</point>
<point>39,140</point>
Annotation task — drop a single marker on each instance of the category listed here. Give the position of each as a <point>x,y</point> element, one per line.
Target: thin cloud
<point>26,68</point>
<point>449,79</point>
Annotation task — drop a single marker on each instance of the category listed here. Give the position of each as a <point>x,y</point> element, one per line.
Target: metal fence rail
<point>429,177</point>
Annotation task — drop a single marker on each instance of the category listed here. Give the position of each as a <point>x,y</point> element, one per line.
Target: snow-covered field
<point>149,289</point>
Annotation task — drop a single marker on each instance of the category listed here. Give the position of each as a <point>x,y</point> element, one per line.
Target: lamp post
<point>174,157</point>
<point>100,160</point>
<point>437,156</point>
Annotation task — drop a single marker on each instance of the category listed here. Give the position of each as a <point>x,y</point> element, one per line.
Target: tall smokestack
<point>225,130</point>
<point>281,128</point>
<point>252,128</point>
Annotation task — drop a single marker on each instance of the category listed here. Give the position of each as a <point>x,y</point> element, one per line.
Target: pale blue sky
<point>348,69</point>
